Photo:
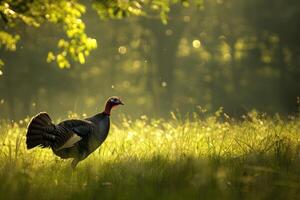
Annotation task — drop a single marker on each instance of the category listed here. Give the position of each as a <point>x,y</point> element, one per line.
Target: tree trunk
<point>164,49</point>
<point>8,82</point>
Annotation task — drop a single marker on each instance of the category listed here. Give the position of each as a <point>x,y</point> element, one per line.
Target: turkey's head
<point>112,102</point>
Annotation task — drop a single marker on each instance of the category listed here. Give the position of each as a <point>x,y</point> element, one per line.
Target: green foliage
<point>150,8</point>
<point>118,9</point>
<point>77,45</point>
<point>37,12</point>
<point>213,157</point>
<point>8,41</point>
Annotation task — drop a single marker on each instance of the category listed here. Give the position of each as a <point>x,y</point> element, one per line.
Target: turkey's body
<point>90,142</point>
<point>72,138</point>
<point>69,139</point>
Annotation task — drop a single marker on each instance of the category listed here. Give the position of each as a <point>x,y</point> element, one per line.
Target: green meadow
<point>196,157</point>
<point>156,56</point>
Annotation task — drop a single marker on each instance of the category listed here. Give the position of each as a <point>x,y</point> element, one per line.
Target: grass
<point>212,157</point>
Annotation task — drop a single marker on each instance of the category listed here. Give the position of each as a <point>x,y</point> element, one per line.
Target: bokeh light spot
<point>186,18</point>
<point>169,32</point>
<point>196,44</point>
<point>122,50</point>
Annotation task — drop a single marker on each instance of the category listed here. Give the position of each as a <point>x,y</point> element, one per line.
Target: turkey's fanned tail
<point>38,131</point>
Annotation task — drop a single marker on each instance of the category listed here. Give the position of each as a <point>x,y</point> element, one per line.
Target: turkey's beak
<point>121,103</point>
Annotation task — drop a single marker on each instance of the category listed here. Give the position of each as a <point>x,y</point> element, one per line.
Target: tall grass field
<point>211,157</point>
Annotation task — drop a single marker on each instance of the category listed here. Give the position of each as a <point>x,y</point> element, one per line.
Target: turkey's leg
<point>74,163</point>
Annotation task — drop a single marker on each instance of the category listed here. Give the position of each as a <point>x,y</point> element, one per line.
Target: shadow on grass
<point>250,177</point>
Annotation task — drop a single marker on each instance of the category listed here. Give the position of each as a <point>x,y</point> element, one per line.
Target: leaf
<point>81,58</point>
<point>50,57</point>
<point>1,63</point>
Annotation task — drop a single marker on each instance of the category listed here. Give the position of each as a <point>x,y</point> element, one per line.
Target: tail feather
<point>37,134</point>
<point>36,137</point>
<point>34,132</point>
<point>39,122</point>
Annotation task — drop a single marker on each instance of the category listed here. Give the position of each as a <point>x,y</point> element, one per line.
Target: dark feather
<point>66,129</point>
<point>36,131</point>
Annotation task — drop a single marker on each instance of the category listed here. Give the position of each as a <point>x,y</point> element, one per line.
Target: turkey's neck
<point>108,108</point>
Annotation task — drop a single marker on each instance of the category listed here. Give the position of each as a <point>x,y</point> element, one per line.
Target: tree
<point>67,13</point>
<point>35,13</point>
<point>19,19</point>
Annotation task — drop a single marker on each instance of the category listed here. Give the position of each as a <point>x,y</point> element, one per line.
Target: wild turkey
<point>72,138</point>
